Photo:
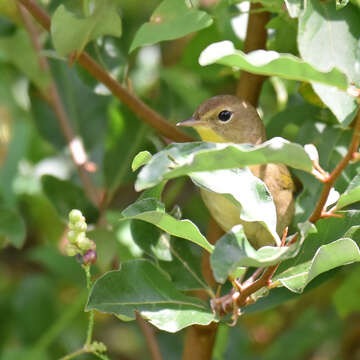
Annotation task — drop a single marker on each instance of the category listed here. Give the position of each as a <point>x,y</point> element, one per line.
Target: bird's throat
<point>208,134</point>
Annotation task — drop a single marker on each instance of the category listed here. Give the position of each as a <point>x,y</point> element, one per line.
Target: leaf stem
<point>353,147</point>
<point>143,111</point>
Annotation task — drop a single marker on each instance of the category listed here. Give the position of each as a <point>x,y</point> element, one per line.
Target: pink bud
<point>90,257</point>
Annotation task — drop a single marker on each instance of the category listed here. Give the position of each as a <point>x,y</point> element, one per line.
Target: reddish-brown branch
<point>149,335</point>
<point>353,147</point>
<point>76,148</point>
<point>249,85</point>
<point>264,280</point>
<point>143,111</point>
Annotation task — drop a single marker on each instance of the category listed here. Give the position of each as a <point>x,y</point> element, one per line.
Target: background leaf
<point>170,20</point>
<point>17,50</point>
<point>70,33</point>
<point>329,38</point>
<point>345,297</point>
<point>66,196</point>
<point>351,194</point>
<point>12,226</point>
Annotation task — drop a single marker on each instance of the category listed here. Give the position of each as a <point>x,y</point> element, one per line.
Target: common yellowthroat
<point>226,118</point>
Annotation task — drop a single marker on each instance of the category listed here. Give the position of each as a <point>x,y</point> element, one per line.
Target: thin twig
<point>51,94</point>
<point>258,284</point>
<point>253,277</point>
<point>149,335</point>
<point>353,147</point>
<point>143,111</point>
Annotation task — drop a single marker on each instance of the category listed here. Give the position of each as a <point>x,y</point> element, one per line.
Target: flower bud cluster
<point>79,244</point>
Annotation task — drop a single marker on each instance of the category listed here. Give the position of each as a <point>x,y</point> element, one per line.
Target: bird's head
<point>226,118</point>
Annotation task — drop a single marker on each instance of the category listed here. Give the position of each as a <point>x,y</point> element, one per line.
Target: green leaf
<point>37,313</point>
<point>330,142</point>
<point>245,191</point>
<point>70,33</point>
<point>63,268</point>
<point>140,286</point>
<point>346,297</point>
<point>234,250</point>
<point>182,159</point>
<point>284,40</point>
<point>341,3</point>
<point>66,196</point>
<point>125,137</point>
<point>185,266</point>
<point>172,19</point>
<point>351,195</point>
<point>340,252</point>
<point>16,151</point>
<point>173,255</point>
<point>342,105</point>
<point>12,226</point>
<point>107,247</point>
<point>328,38</point>
<point>17,49</point>
<point>142,158</point>
<point>293,7</point>
<point>153,211</point>
<point>271,63</point>
<point>329,232</point>
<point>151,239</point>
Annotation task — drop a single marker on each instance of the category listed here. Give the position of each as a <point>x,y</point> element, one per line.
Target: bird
<point>229,119</point>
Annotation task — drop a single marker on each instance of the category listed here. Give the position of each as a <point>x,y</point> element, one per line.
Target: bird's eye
<point>224,115</point>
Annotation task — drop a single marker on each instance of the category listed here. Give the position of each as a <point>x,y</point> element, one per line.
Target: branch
<point>143,111</point>
<point>51,94</point>
<point>249,85</point>
<point>316,215</point>
<point>199,342</point>
<point>149,335</point>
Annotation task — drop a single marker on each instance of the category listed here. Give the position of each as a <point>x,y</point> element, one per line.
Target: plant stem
<point>74,354</point>
<point>316,215</point>
<point>91,313</point>
<point>143,111</point>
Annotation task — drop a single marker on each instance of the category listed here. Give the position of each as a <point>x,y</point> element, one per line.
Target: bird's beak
<point>192,122</point>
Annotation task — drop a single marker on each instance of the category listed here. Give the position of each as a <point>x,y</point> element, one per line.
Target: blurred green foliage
<point>43,292</point>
